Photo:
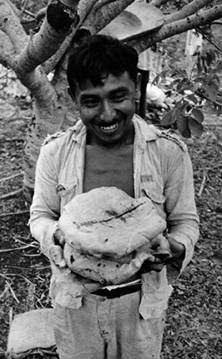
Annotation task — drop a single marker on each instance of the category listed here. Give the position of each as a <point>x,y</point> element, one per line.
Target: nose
<point>107,112</point>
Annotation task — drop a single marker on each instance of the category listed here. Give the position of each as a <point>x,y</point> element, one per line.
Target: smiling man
<point>111,146</point>
<point>107,110</point>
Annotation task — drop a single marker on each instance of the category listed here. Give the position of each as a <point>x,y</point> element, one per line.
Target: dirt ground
<point>193,327</point>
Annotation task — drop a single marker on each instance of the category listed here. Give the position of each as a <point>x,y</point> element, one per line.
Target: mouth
<point>109,129</point>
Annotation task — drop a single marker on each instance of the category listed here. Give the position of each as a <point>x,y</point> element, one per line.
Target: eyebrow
<point>86,96</point>
<point>119,89</point>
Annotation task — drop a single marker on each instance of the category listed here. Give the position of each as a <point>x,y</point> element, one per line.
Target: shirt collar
<point>144,132</point>
<point>79,132</point>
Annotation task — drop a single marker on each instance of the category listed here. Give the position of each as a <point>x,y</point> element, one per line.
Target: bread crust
<point>108,234</point>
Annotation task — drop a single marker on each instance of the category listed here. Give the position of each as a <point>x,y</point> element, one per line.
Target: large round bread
<point>105,271</point>
<point>107,222</point>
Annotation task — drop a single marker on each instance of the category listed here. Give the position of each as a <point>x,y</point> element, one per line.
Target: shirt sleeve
<point>45,208</point>
<point>180,207</point>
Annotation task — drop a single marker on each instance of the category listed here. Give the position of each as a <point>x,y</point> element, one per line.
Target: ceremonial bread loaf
<point>108,234</point>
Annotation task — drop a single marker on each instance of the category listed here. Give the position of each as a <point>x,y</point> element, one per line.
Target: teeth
<point>109,128</point>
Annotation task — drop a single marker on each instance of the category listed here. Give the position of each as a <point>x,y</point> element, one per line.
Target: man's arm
<point>182,218</point>
<point>45,208</point>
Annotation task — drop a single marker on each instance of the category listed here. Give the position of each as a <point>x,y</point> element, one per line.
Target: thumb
<point>56,255</point>
<point>59,237</point>
<point>177,248</point>
<point>161,247</point>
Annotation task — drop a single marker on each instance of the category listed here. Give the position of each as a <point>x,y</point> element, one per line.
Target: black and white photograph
<point>111,179</point>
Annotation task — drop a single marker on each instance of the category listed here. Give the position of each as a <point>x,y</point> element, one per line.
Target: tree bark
<point>187,10</point>
<point>89,13</point>
<point>46,105</point>
<point>177,27</point>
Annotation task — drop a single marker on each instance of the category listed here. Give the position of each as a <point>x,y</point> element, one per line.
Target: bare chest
<point>109,167</point>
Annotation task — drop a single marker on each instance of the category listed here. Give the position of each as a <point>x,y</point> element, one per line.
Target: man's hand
<point>164,251</point>
<point>178,253</point>
<point>56,249</point>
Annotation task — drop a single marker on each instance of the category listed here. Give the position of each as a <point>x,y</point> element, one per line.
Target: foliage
<point>187,95</point>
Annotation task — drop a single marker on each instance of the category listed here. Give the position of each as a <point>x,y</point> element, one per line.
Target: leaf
<point>213,79</point>
<point>211,91</point>
<point>219,66</point>
<point>183,85</point>
<point>186,109</point>
<point>197,115</point>
<point>168,118</point>
<point>159,77</point>
<point>210,57</point>
<point>182,126</point>
<point>195,127</point>
<point>193,98</point>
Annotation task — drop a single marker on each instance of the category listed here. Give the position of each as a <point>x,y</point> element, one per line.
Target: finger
<point>59,237</point>
<point>163,255</point>
<point>157,267</point>
<point>177,248</point>
<point>56,255</point>
<point>161,248</point>
<point>160,242</point>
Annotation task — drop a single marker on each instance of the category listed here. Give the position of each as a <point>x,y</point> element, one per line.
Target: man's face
<point>107,110</point>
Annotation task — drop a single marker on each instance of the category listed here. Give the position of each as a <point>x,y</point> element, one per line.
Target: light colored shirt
<point>162,171</point>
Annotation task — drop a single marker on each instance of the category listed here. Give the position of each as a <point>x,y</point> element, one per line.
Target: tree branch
<point>10,25</point>
<point>141,43</point>
<point>102,3</point>
<point>70,3</point>
<point>8,178</point>
<point>50,64</point>
<point>10,195</point>
<point>98,19</point>
<point>38,84</point>
<point>40,47</point>
<point>88,21</point>
<point>85,8</point>
<point>13,8</point>
<point>187,10</point>
<point>45,43</point>
<point>7,52</point>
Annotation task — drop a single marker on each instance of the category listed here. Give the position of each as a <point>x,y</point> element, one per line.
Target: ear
<point>138,86</point>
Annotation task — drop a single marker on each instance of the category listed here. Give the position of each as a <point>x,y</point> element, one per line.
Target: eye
<point>119,97</point>
<point>89,102</point>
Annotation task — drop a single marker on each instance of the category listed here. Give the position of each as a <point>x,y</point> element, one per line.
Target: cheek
<point>87,115</point>
<point>127,106</point>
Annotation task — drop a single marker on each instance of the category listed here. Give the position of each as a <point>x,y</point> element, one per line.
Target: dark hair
<point>99,56</point>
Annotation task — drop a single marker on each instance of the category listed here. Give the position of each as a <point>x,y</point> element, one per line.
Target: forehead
<point>109,83</point>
